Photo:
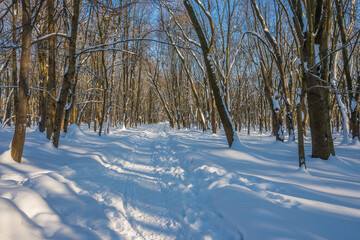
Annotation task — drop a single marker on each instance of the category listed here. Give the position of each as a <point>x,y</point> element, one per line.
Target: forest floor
<point>153,182</point>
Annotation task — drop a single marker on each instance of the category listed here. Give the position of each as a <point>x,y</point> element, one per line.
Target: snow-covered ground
<point>154,182</point>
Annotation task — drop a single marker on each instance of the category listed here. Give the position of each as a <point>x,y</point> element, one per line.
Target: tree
<point>194,63</point>
<point>313,34</point>
<point>280,65</point>
<point>206,50</point>
<point>17,145</point>
<point>51,79</point>
<point>186,68</point>
<point>353,95</point>
<point>69,73</point>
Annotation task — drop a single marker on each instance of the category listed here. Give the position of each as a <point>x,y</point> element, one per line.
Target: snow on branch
<point>332,52</point>
<point>100,47</point>
<point>262,40</point>
<point>42,38</point>
<point>32,88</point>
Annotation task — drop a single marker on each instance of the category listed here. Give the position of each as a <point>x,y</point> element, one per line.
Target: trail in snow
<point>154,182</point>
<point>129,185</point>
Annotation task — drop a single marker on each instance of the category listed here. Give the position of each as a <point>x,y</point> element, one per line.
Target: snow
<point>305,23</point>
<point>68,106</point>
<point>276,104</point>
<point>298,99</point>
<point>3,66</point>
<point>353,105</point>
<point>342,108</point>
<point>317,53</point>
<point>154,182</point>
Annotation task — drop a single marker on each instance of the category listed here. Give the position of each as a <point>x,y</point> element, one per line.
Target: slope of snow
<point>154,182</point>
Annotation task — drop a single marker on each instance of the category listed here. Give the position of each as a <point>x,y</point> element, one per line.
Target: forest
<point>179,119</point>
<point>278,65</point>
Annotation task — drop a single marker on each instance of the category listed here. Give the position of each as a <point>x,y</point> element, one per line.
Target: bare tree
<point>280,65</point>
<point>313,36</point>
<point>69,74</point>
<point>18,141</point>
<point>206,50</point>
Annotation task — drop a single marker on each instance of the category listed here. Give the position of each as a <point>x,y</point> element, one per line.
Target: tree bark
<point>277,121</point>
<point>345,55</point>
<point>7,107</point>
<point>18,141</point>
<point>105,88</point>
<point>314,48</point>
<point>14,58</point>
<point>42,76</point>
<point>51,81</point>
<point>222,110</point>
<point>323,21</point>
<point>69,74</point>
<point>355,115</point>
<point>213,115</point>
<point>299,118</point>
<point>70,108</point>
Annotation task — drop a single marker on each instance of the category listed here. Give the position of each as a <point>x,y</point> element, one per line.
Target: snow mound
<point>74,133</point>
<point>11,218</point>
<point>5,157</point>
<point>355,142</point>
<point>24,214</point>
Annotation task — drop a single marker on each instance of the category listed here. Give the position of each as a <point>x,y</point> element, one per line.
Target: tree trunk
<point>137,105</point>
<point>314,48</point>
<point>69,74</point>
<point>14,59</point>
<point>277,121</point>
<point>355,115</point>
<point>345,55</point>
<point>222,110</point>
<point>299,117</point>
<point>301,150</point>
<point>323,20</point>
<point>18,141</point>
<point>105,88</point>
<point>7,107</point>
<point>71,105</point>
<point>213,115</point>
<point>51,81</point>
<point>42,75</point>
<point>279,63</point>
<point>342,107</point>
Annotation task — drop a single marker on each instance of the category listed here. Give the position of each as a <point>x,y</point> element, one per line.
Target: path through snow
<point>154,182</point>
